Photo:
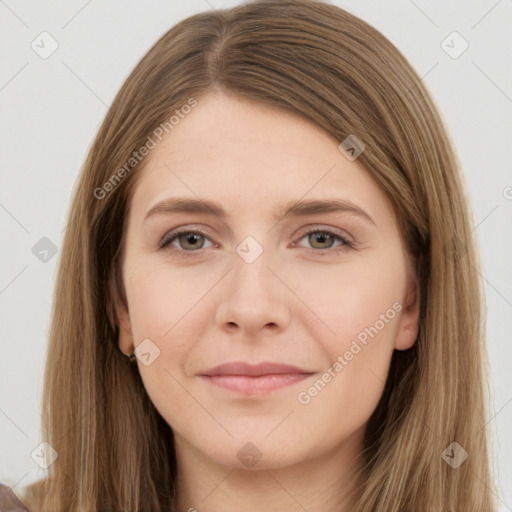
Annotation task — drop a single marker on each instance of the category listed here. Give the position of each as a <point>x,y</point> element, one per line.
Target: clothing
<point>9,501</point>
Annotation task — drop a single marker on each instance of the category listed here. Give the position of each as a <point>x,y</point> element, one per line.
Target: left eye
<point>190,241</point>
<point>321,236</point>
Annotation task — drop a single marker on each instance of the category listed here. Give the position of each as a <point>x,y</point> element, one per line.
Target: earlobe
<point>409,320</point>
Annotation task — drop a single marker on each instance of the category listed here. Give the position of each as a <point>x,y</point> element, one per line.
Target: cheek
<point>359,300</point>
<point>161,309</point>
<point>362,309</point>
<point>335,408</point>
<point>166,307</point>
<point>158,298</point>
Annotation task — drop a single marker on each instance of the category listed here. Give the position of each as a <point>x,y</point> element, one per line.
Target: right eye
<point>184,237</point>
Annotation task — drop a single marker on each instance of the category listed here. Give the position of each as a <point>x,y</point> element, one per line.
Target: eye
<point>326,239</point>
<point>191,241</point>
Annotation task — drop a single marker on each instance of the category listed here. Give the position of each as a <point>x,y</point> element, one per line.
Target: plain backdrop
<point>52,107</point>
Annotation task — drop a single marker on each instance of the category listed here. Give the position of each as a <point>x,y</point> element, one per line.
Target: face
<point>247,279</point>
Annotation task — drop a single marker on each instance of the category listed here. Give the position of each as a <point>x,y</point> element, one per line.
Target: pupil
<point>192,239</point>
<point>320,237</point>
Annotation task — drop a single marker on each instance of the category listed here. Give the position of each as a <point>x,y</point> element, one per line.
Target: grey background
<point>51,109</point>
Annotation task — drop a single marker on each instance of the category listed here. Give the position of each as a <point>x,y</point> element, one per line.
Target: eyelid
<point>181,230</point>
<point>326,228</point>
<point>346,240</point>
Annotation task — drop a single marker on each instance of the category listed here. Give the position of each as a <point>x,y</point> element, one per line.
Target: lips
<point>253,370</point>
<point>254,379</point>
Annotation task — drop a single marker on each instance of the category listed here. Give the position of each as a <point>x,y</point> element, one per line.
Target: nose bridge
<point>251,276</point>
<point>254,297</point>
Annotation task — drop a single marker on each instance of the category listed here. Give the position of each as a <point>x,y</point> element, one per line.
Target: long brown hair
<point>318,61</point>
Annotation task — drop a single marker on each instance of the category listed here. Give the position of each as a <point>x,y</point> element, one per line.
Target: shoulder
<point>9,501</point>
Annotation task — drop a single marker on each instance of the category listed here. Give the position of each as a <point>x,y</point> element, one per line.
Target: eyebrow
<point>290,209</point>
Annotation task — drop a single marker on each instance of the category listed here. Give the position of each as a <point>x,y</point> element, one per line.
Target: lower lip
<point>256,385</point>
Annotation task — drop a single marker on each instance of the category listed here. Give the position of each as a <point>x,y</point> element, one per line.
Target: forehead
<point>251,158</point>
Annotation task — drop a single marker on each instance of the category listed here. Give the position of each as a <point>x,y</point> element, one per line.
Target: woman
<point>265,371</point>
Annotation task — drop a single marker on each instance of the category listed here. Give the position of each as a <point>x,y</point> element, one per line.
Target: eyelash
<point>170,237</point>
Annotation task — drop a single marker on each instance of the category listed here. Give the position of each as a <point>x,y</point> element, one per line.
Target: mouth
<point>250,385</point>
<point>248,378</point>
<point>254,379</point>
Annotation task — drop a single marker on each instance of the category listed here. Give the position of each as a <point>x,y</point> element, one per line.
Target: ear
<point>409,319</point>
<point>125,340</point>
<point>119,314</point>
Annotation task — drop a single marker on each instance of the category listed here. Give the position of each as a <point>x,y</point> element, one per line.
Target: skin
<point>291,304</point>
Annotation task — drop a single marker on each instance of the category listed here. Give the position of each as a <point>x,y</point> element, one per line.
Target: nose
<point>254,301</point>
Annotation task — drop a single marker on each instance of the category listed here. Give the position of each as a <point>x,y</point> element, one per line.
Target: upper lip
<point>243,368</point>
